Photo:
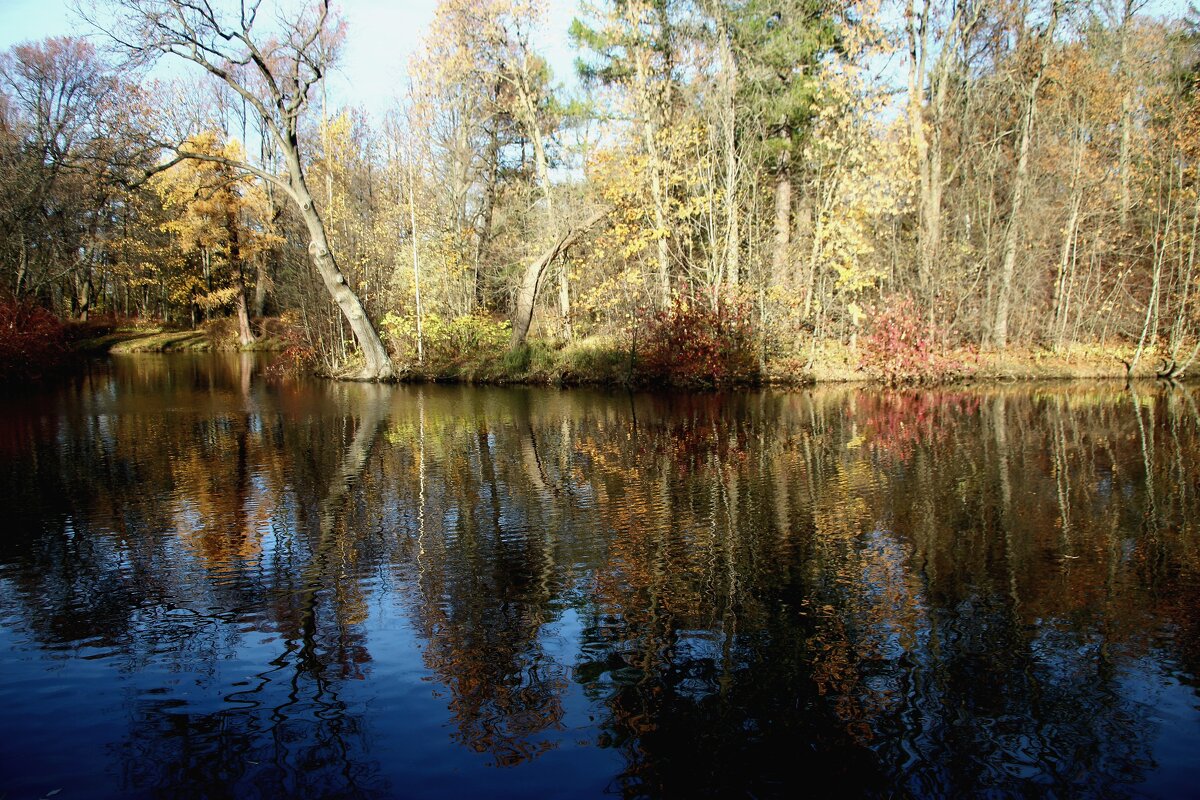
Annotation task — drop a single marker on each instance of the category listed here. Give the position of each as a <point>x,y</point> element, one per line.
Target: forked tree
<point>273,71</point>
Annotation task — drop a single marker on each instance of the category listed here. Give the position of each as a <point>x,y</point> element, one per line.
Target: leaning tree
<point>272,68</point>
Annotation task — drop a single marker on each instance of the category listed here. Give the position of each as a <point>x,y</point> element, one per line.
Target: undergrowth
<point>695,344</point>
<point>902,348</point>
<point>32,340</point>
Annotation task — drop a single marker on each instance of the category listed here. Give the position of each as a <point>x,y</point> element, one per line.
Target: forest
<point>727,191</point>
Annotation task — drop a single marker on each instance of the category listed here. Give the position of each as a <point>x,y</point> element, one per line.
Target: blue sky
<point>382,35</point>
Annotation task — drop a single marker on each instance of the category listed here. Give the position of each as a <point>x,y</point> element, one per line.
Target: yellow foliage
<point>218,220</point>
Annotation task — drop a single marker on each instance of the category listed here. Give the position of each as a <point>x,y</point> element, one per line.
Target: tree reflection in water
<point>313,589</point>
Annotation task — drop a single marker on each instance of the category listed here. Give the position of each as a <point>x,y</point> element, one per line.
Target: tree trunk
<point>1126,115</point>
<point>729,133</point>
<point>564,301</point>
<point>260,284</point>
<point>83,291</point>
<point>657,191</point>
<point>22,265</point>
<point>1064,263</point>
<point>660,219</point>
<point>918,45</point>
<point>378,366</point>
<point>1065,257</point>
<point>483,232</point>
<point>245,335</point>
<point>783,227</point>
<point>1148,335</point>
<point>929,153</point>
<point>931,189</point>
<point>542,166</point>
<point>1020,179</point>
<point>532,278</point>
<point>416,256</point>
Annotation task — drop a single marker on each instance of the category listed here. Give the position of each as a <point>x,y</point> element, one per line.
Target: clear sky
<point>382,35</point>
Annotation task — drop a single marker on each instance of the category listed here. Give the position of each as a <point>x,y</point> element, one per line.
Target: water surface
<point>217,584</point>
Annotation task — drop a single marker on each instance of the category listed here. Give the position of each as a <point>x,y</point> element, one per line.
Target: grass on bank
<point>689,346</point>
<point>594,360</point>
<point>215,335</point>
<point>604,361</point>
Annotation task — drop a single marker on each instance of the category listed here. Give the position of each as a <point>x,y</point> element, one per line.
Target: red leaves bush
<point>297,357</point>
<point>32,340</point>
<point>901,348</point>
<point>694,345</point>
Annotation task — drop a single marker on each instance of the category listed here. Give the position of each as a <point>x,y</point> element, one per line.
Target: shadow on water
<point>221,585</point>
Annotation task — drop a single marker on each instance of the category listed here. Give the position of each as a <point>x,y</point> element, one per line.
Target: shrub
<point>98,325</point>
<point>462,345</point>
<point>543,361</point>
<point>222,333</point>
<point>694,345</point>
<point>516,361</point>
<point>297,355</point>
<point>901,348</point>
<point>594,360</point>
<point>32,340</point>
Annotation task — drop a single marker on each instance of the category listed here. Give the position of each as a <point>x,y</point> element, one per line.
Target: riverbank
<point>597,361</point>
<point>836,362</point>
<point>158,339</point>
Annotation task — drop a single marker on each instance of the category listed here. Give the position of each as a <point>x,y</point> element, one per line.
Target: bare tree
<point>273,73</point>
<point>61,97</point>
<point>1021,179</point>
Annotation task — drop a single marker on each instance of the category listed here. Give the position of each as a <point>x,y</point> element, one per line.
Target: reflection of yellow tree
<point>484,583</point>
<point>219,515</point>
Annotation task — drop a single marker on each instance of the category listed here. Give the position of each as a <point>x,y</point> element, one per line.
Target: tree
<point>457,113</point>
<point>927,112</point>
<point>274,75</point>
<point>526,76</point>
<point>1029,100</point>
<point>220,217</point>
<point>780,47</point>
<point>57,187</point>
<point>532,278</point>
<point>634,45</point>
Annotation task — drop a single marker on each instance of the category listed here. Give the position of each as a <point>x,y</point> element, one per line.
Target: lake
<point>216,583</point>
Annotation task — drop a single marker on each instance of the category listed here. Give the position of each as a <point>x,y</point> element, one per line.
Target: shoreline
<point>587,363</point>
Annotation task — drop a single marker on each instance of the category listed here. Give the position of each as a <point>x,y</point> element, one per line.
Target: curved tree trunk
<point>378,365</point>
<point>276,86</point>
<point>532,279</point>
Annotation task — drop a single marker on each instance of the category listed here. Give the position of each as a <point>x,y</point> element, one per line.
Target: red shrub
<point>32,340</point>
<point>693,345</point>
<point>297,357</point>
<point>901,347</point>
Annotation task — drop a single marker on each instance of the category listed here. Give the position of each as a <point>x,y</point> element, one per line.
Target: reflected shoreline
<point>321,589</point>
